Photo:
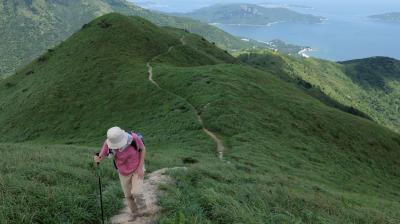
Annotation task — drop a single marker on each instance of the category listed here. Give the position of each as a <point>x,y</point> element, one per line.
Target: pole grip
<point>98,154</point>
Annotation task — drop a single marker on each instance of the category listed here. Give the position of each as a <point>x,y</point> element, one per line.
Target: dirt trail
<point>183,40</point>
<point>150,185</point>
<point>150,70</point>
<point>219,143</point>
<point>148,215</point>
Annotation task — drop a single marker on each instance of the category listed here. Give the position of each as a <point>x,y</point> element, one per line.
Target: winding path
<point>149,215</point>
<point>219,143</point>
<point>150,68</point>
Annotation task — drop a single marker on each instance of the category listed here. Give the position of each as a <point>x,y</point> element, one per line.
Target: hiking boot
<point>140,202</point>
<point>132,205</point>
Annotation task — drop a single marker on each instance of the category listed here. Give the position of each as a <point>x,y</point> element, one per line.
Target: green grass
<point>53,184</point>
<point>292,159</point>
<point>370,86</point>
<point>289,158</point>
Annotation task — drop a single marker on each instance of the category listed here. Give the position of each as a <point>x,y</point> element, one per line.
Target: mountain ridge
<point>373,72</point>
<point>370,86</point>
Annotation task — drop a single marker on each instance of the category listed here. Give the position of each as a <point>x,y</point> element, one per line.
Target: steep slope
<point>101,60</point>
<point>29,28</point>
<point>370,85</point>
<point>249,14</point>
<point>288,158</point>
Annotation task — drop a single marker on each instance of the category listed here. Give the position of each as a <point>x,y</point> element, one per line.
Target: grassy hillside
<point>374,73</point>
<point>249,14</point>
<point>52,184</point>
<point>29,28</point>
<point>288,159</point>
<point>370,85</point>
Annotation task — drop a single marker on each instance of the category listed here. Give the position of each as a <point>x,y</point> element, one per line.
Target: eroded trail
<point>148,215</point>
<point>150,68</point>
<point>213,136</point>
<point>220,144</point>
<point>150,71</point>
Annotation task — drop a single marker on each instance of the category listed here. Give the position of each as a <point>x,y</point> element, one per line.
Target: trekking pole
<point>101,194</point>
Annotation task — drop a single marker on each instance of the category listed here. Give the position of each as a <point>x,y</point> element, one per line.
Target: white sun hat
<point>116,138</point>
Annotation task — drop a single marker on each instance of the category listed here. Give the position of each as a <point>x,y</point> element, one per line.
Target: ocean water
<point>347,34</point>
<point>334,40</point>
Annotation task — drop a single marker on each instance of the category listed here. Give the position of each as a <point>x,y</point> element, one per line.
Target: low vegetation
<point>289,158</point>
<point>369,86</point>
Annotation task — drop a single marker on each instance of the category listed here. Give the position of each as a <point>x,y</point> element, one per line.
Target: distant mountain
<point>29,28</point>
<point>250,14</point>
<point>369,86</point>
<point>387,17</point>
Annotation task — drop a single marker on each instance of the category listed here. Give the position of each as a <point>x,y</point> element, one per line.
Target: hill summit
<point>29,28</point>
<point>106,59</point>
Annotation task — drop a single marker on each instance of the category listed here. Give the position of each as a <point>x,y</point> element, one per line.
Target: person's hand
<point>140,172</point>
<point>97,159</point>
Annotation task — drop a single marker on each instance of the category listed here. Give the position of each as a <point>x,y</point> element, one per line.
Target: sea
<point>346,34</point>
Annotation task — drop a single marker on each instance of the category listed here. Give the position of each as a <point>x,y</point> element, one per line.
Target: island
<point>250,14</point>
<point>387,17</point>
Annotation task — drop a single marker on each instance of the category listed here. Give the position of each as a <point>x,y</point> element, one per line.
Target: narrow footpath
<point>150,193</point>
<point>150,185</point>
<point>213,136</point>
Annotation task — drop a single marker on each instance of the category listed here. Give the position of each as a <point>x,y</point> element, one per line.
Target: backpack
<point>133,144</point>
<point>141,137</point>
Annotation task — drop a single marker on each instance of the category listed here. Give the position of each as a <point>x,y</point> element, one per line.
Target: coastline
<point>303,52</point>
<point>322,21</point>
<point>250,25</point>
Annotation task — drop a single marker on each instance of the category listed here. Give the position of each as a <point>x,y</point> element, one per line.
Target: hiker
<point>129,153</point>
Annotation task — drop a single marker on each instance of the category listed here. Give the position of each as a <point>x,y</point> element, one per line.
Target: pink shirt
<point>129,159</point>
